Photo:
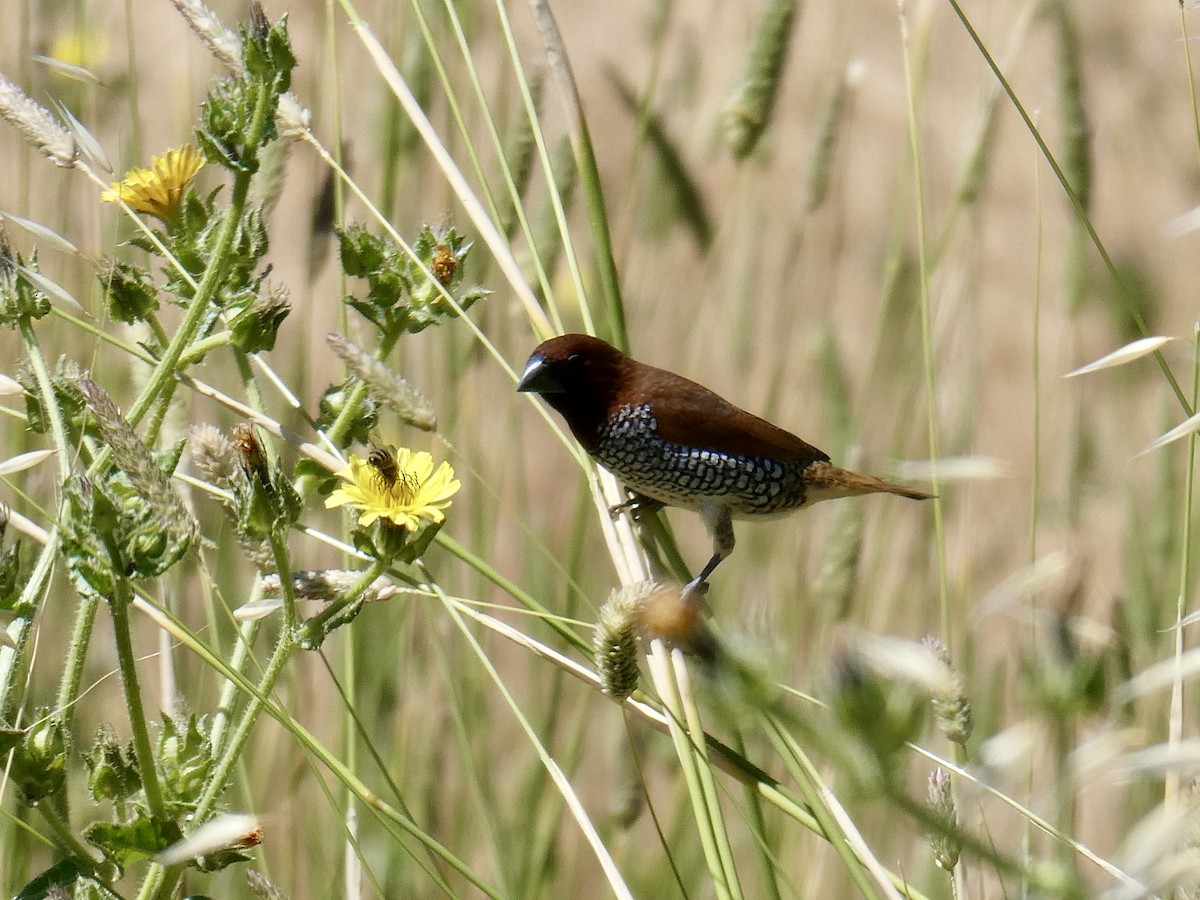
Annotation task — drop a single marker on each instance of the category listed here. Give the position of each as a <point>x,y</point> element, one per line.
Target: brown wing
<point>689,413</point>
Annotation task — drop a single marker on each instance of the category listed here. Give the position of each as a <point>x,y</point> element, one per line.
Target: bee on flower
<point>402,488</point>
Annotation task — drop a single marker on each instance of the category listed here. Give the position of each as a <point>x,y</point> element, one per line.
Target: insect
<point>444,263</point>
<point>388,473</point>
<point>384,464</point>
<point>250,454</point>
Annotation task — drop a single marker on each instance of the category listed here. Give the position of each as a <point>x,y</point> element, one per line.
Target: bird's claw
<point>615,511</point>
<point>635,505</point>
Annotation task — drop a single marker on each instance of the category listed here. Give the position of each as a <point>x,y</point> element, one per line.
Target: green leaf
<point>185,761</point>
<point>130,292</point>
<point>10,581</point>
<point>362,253</point>
<point>256,327</point>
<point>138,840</point>
<point>39,762</point>
<point>10,738</point>
<point>215,862</point>
<point>309,468</point>
<point>112,769</point>
<point>63,874</point>
<point>334,400</point>
<point>416,546</point>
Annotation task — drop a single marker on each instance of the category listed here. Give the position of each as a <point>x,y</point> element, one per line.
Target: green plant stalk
<point>10,658</point>
<point>161,384</point>
<point>589,171</point>
<point>1191,83</point>
<point>809,782</point>
<point>452,103</point>
<point>76,851</point>
<point>668,688</point>
<point>599,850</point>
<point>554,195</point>
<point>81,635</point>
<point>229,690</point>
<point>160,881</point>
<point>526,599</point>
<point>197,350</point>
<point>355,722</point>
<point>593,192</point>
<point>237,741</point>
<point>939,529</point>
<point>1134,314</point>
<point>1175,736</point>
<point>156,328</point>
<point>1063,732</point>
<point>498,144</point>
<point>248,630</point>
<point>47,397</point>
<point>306,739</point>
<point>283,649</point>
<point>1035,466</point>
<point>119,609</point>
<point>695,727</point>
<point>369,575</point>
<point>337,431</point>
<point>1173,780</point>
<point>759,823</point>
<point>283,566</point>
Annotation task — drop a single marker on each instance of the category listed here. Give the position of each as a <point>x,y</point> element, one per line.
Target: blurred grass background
<point>788,282</point>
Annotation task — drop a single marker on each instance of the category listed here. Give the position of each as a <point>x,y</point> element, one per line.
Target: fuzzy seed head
<point>616,639</point>
<point>37,124</point>
<point>945,843</point>
<point>327,585</point>
<point>951,708</point>
<point>385,386</point>
<point>292,120</point>
<point>135,460</point>
<point>213,454</point>
<point>221,40</point>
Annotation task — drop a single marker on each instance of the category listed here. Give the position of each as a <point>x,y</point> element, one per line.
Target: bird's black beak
<point>538,379</point>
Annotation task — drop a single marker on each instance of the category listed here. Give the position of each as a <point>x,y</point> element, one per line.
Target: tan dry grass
<point>718,320</point>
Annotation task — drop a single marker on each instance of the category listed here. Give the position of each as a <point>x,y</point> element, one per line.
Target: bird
<point>673,442</point>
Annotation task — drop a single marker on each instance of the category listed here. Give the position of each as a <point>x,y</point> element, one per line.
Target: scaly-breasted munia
<point>675,442</point>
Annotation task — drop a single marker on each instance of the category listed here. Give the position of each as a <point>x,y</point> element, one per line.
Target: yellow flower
<point>76,48</point>
<point>159,189</point>
<point>404,488</point>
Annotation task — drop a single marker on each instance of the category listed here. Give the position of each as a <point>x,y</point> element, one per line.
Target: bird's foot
<point>695,591</point>
<point>635,506</point>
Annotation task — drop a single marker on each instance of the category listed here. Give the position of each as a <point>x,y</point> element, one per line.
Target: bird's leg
<point>635,505</point>
<point>719,522</point>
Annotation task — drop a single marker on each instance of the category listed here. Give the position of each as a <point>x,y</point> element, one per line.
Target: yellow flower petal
<point>410,494</point>
<point>158,190</point>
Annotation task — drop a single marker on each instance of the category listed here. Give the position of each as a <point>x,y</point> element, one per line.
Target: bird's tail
<point>827,482</point>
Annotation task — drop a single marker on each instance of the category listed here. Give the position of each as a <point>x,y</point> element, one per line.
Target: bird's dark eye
<point>575,359</point>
